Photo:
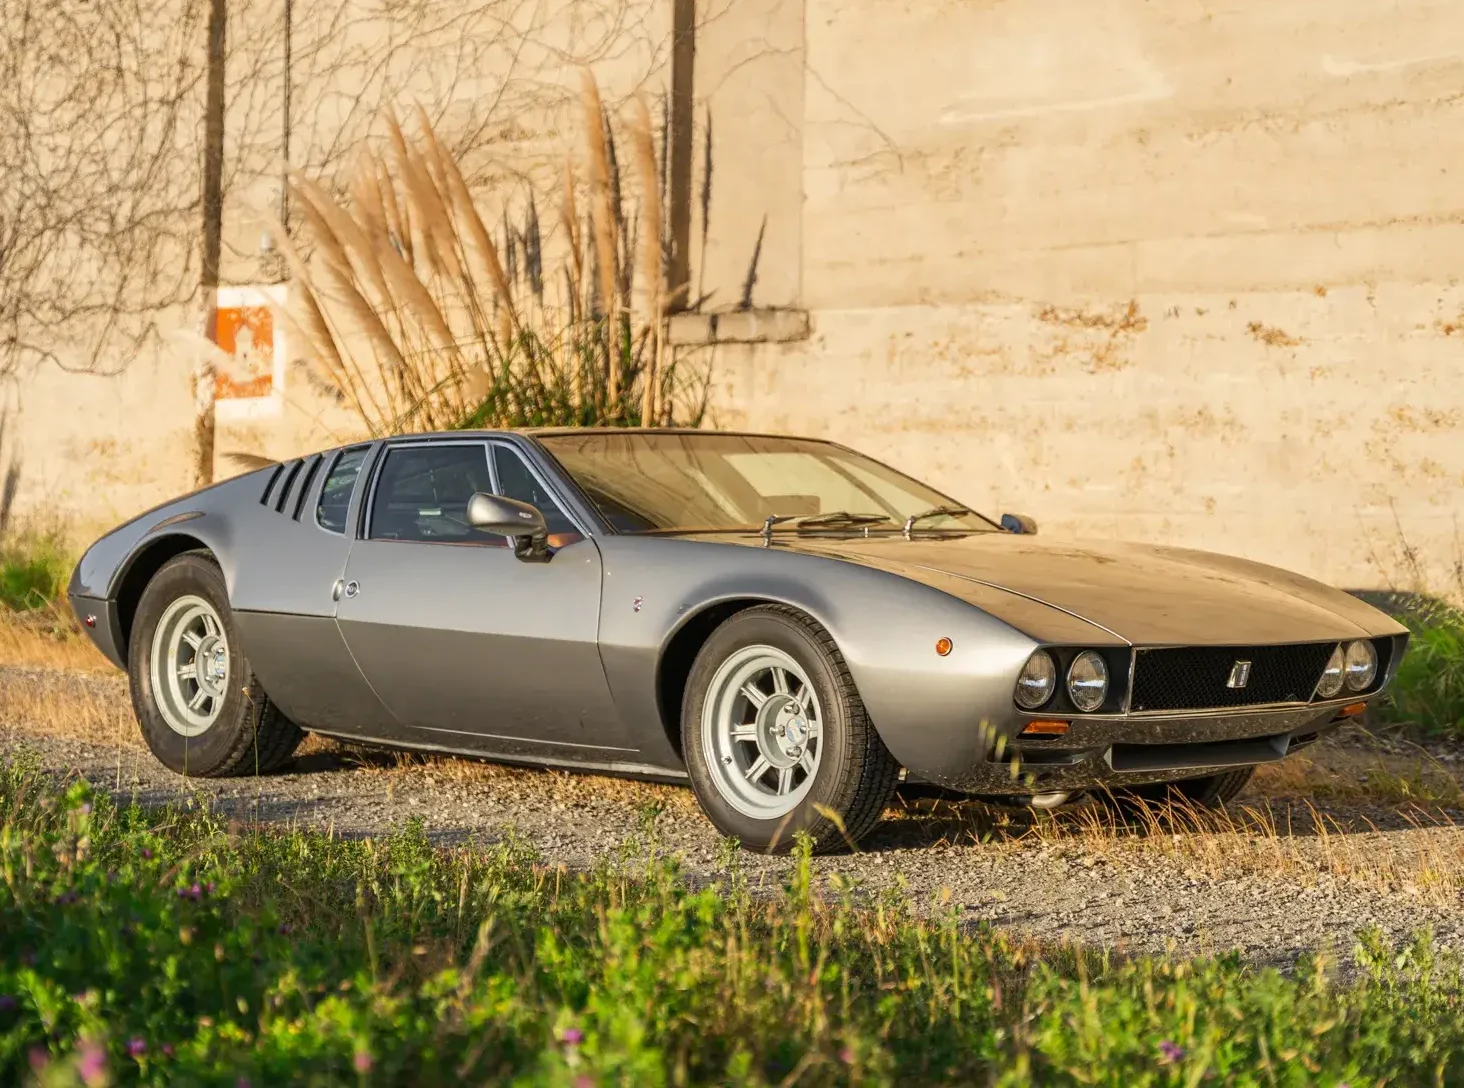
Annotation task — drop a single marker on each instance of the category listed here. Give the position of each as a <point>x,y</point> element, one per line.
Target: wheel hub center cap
<point>211,665</point>
<point>782,731</point>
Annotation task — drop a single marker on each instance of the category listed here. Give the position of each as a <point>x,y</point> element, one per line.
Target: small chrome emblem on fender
<point>635,605</point>
<point>1239,675</point>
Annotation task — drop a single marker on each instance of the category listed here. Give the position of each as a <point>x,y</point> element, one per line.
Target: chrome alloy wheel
<point>190,666</point>
<point>762,730</point>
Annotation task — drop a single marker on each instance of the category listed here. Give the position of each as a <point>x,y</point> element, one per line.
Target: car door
<point>467,645</point>
<point>299,540</point>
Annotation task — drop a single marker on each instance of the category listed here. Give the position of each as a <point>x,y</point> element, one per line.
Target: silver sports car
<point>791,626</point>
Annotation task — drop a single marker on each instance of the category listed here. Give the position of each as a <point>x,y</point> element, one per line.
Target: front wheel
<point>201,710</point>
<point>776,738</point>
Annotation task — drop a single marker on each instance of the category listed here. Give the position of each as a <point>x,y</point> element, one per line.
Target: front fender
<point>927,708</point>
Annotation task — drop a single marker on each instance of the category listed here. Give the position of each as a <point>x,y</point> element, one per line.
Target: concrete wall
<point>1153,271</point>
<point>1164,272</point>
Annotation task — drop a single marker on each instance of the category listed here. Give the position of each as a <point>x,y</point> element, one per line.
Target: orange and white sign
<point>250,374</point>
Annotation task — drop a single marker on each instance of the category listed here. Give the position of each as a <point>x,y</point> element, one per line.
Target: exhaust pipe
<point>1050,800</point>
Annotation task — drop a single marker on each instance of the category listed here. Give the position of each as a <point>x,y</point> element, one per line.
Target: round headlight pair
<point>1354,665</point>
<point>1087,681</point>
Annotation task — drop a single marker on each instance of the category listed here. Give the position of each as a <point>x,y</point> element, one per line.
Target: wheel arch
<point>673,667</point>
<point>140,569</point>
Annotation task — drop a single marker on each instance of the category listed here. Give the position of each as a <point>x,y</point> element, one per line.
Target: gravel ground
<point>1129,892</point>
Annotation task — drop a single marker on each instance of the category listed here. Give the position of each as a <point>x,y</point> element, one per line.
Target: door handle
<point>353,588</point>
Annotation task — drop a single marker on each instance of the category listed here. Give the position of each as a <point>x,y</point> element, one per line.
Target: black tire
<point>249,735</point>
<point>1210,791</point>
<point>856,775</point>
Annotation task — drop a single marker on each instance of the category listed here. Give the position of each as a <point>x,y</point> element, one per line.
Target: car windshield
<point>648,482</point>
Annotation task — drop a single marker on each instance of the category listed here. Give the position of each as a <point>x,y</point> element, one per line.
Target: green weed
<point>173,948</point>
<point>1428,689</point>
<point>34,569</point>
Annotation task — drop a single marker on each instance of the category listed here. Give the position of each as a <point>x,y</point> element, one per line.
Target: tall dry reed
<point>420,316</point>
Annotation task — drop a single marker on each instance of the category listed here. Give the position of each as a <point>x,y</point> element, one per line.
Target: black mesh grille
<point>1197,677</point>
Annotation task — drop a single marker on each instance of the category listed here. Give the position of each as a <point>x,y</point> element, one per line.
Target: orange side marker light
<point>943,646</point>
<point>1041,728</point>
<point>1352,710</point>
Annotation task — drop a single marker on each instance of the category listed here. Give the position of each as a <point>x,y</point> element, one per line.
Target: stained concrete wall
<point>1158,272</point>
<point>1164,272</point>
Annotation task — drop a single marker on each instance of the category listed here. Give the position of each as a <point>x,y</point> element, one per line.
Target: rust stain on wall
<point>1272,336</point>
<point>1102,335</point>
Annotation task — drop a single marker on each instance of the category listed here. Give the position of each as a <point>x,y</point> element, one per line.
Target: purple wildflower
<point>208,888</point>
<point>284,929</point>
<point>167,1049</point>
<point>571,1037</point>
<point>361,1062</point>
<point>1172,1052</point>
<point>146,854</point>
<point>39,1059</point>
<point>7,1003</point>
<point>242,1082</point>
<point>847,1056</point>
<point>584,1080</point>
<point>136,1047</point>
<point>92,1068</point>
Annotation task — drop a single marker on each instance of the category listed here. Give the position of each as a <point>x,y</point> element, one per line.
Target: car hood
<point>1142,594</point>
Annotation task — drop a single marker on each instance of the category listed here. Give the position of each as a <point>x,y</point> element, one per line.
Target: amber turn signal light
<point>1352,710</point>
<point>943,646</point>
<point>1041,728</point>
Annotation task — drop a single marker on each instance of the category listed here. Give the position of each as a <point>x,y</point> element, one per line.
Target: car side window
<point>515,481</point>
<point>335,493</point>
<point>422,494</point>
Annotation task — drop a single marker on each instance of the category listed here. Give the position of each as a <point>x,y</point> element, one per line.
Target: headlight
<point>1331,682</point>
<point>1362,665</point>
<point>1088,681</point>
<point>1038,679</point>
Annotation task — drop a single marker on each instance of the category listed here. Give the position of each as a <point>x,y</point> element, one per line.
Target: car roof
<point>556,432</point>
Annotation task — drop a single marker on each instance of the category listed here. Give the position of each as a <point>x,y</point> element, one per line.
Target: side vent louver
<point>291,471</point>
<point>269,484</point>
<point>309,479</point>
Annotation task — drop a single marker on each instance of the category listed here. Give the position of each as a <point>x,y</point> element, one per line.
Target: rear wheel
<point>1210,791</point>
<point>776,738</point>
<point>201,710</point>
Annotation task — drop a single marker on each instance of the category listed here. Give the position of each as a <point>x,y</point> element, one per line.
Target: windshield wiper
<point>840,517</point>
<point>950,510</point>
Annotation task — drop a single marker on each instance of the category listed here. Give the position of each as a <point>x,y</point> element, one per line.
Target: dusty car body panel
<point>573,662</point>
<point>886,627</point>
<point>1142,594</point>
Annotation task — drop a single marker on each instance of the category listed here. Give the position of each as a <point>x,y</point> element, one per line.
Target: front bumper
<point>1120,751</point>
<point>100,620</point>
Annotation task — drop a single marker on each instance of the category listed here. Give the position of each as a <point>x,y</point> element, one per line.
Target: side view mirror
<point>519,521</point>
<point>1018,523</point>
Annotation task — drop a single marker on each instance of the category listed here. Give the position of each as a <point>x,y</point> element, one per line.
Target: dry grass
<point>47,638</point>
<point>1362,773</point>
<point>1339,815</point>
<point>422,317</point>
<point>79,706</point>
<point>1381,817</point>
